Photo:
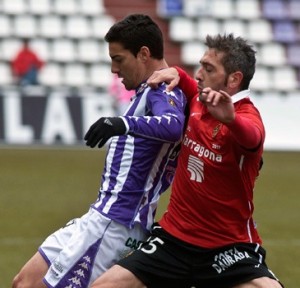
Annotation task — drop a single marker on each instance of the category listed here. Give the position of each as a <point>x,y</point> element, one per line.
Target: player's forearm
<point>245,132</point>
<point>165,128</point>
<point>187,84</point>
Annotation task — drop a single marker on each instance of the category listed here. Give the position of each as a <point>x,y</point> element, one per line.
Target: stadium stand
<point>272,26</point>
<point>39,8</point>
<point>294,9</point>
<point>51,75</point>
<point>68,35</point>
<point>248,9</point>
<point>5,26</point>
<point>274,9</point>
<point>293,55</point>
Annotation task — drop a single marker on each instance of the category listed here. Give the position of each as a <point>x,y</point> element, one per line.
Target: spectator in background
<point>121,95</point>
<point>26,65</point>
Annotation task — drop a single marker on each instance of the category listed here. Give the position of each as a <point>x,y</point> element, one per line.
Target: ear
<point>235,79</point>
<point>144,54</point>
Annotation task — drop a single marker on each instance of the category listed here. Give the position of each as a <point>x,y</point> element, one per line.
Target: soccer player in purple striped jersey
<point>139,166</point>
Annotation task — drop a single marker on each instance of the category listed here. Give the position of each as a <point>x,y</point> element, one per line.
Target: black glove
<point>103,129</point>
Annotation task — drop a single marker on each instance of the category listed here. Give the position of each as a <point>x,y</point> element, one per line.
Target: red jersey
<point>211,203</point>
<point>25,60</point>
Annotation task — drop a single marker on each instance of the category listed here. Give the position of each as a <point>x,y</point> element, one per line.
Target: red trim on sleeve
<point>186,83</point>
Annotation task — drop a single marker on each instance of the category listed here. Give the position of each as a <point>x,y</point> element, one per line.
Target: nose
<point>198,74</point>
<point>114,68</point>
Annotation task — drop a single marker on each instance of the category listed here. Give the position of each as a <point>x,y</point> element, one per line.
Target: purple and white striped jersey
<point>140,166</point>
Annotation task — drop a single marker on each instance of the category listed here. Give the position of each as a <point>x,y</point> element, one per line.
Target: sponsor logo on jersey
<point>200,150</point>
<point>195,167</point>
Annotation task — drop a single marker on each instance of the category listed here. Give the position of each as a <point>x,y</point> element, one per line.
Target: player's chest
<point>205,131</point>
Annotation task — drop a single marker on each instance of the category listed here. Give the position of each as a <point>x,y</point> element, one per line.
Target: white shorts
<point>85,248</point>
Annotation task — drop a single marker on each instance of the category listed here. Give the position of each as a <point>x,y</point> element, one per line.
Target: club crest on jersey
<point>172,102</point>
<point>216,130</point>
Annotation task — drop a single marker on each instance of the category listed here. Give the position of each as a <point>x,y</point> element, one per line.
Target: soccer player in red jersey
<point>207,237</point>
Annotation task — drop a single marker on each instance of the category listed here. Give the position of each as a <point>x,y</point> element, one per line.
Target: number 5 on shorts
<point>151,247</point>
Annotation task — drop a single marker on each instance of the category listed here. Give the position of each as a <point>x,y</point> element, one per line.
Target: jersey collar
<point>240,95</point>
<point>141,87</point>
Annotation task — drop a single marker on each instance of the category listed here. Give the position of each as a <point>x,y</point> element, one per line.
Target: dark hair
<point>135,31</point>
<point>238,55</point>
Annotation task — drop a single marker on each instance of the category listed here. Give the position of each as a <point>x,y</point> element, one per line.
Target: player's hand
<point>167,75</point>
<point>219,104</point>
<point>103,129</point>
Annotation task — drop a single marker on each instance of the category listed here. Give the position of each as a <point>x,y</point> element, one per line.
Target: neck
<point>155,66</point>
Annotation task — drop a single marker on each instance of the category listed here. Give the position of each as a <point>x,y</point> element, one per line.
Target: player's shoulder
<point>245,104</point>
<point>162,89</point>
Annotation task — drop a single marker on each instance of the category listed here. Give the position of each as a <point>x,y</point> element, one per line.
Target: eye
<point>117,59</point>
<point>208,68</point>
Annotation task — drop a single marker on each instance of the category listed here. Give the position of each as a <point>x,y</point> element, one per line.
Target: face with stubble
<point>126,65</point>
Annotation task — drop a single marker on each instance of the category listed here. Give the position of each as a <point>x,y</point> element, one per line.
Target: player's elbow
<point>176,131</point>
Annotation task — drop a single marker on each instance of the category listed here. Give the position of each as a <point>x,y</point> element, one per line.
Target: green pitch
<point>41,189</point>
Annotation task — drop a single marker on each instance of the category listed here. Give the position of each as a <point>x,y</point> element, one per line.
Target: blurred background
<point>55,81</point>
<point>73,79</point>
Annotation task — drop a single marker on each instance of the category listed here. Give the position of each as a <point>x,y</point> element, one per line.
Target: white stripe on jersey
<point>125,165</point>
<point>140,109</point>
<point>156,193</point>
<point>123,172</point>
<point>248,225</point>
<point>109,158</point>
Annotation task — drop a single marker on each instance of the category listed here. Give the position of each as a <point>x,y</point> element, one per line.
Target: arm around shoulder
<point>186,83</point>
